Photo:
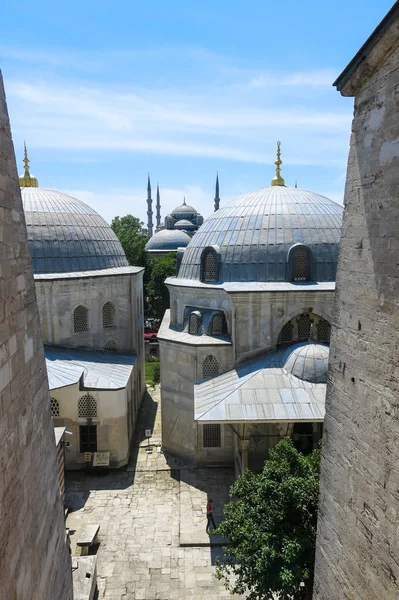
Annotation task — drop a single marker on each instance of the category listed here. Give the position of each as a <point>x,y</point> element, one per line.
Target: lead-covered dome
<point>65,234</point>
<point>309,362</point>
<point>167,240</point>
<point>253,234</point>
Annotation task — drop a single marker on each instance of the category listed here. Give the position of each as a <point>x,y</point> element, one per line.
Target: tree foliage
<point>271,524</point>
<point>157,293</point>
<point>133,236</point>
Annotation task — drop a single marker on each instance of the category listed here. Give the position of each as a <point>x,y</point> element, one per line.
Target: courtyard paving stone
<point>143,512</point>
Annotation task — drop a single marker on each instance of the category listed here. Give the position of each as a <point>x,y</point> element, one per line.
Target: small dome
<point>184,224</point>
<point>308,361</point>
<point>184,209</point>
<point>256,231</point>
<point>168,240</point>
<point>66,235</point>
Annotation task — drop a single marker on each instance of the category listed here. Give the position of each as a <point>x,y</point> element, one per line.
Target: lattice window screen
<point>217,324</point>
<point>109,315</point>
<point>209,266</point>
<point>323,331</point>
<point>211,436</point>
<point>304,328</point>
<point>193,323</point>
<point>174,311</point>
<point>80,319</point>
<point>87,407</point>
<point>210,368</point>
<point>55,407</point>
<point>286,333</point>
<point>111,345</point>
<point>300,265</point>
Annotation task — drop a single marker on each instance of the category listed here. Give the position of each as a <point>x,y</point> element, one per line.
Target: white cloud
<point>320,78</point>
<point>83,117</point>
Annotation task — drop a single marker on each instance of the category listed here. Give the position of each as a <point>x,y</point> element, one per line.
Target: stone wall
<point>34,559</point>
<point>358,543</point>
<point>58,297</point>
<point>111,422</point>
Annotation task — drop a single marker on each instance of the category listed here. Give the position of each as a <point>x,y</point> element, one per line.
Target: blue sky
<point>105,91</point>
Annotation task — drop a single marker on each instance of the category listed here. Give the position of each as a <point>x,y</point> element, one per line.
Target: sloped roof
<point>98,370</point>
<point>260,390</point>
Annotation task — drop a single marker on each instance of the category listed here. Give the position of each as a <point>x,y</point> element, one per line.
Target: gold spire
<point>278,180</point>
<point>27,180</point>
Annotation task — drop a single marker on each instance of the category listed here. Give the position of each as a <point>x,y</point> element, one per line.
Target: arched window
<point>323,331</point>
<point>300,263</point>
<point>210,368</point>
<point>193,323</point>
<point>286,333</point>
<point>87,407</point>
<point>304,328</point>
<point>55,407</point>
<point>109,315</point>
<point>209,265</point>
<point>217,324</point>
<point>111,346</point>
<point>80,319</point>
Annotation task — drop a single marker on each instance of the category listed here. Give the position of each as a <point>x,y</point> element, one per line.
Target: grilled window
<point>323,331</point>
<point>193,323</point>
<point>174,311</point>
<point>111,346</point>
<point>55,407</point>
<point>109,315</point>
<point>87,407</point>
<point>88,438</point>
<point>209,266</point>
<point>286,333</point>
<point>210,368</point>
<point>304,328</point>
<point>211,436</point>
<point>217,324</point>
<point>80,319</point>
<point>300,265</point>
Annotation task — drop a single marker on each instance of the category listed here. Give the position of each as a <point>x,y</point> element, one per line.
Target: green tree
<point>271,524</point>
<point>157,292</point>
<point>133,236</point>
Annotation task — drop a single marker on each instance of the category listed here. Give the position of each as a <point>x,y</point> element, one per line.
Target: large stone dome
<point>66,235</point>
<point>254,233</point>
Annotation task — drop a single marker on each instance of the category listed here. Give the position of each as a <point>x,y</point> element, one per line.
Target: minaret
<point>27,180</point>
<point>217,198</point>
<point>158,207</point>
<point>149,211</point>
<point>278,180</point>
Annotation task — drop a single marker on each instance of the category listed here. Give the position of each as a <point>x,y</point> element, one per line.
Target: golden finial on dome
<point>278,180</point>
<point>27,180</point>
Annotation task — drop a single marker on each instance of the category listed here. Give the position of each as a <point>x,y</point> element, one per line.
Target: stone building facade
<point>92,319</point>
<point>357,552</point>
<point>255,287</point>
<point>34,558</point>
